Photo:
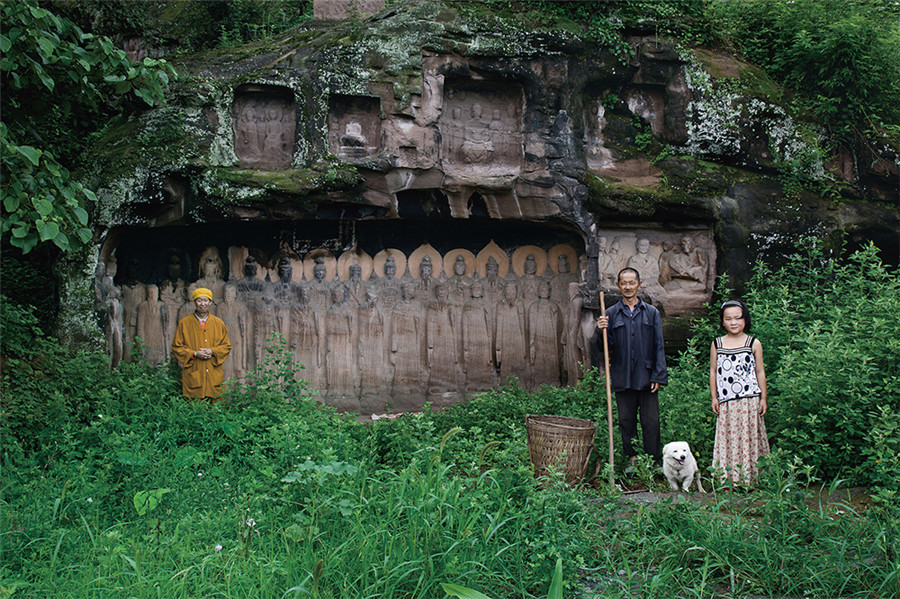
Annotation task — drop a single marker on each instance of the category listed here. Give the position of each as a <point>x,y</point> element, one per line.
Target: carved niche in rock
<point>264,126</point>
<point>677,268</point>
<point>336,10</point>
<point>481,130</point>
<point>354,127</point>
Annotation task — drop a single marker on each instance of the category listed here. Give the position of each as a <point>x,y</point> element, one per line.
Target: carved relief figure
<point>494,286</point>
<point>211,277</point>
<point>306,338</point>
<point>152,323</point>
<point>388,286</point>
<point>274,146</point>
<point>340,359</point>
<point>427,282</point>
<point>356,287</point>
<point>644,262</point>
<point>407,334</point>
<point>319,288</point>
<point>476,146</point>
<point>510,350</point>
<point>530,281</point>
<point>478,342</point>
<point>442,357</point>
<point>234,314</point>
<point>605,264</point>
<point>133,293</point>
<point>559,284</point>
<point>544,336</point>
<point>575,358</point>
<point>687,269</point>
<point>459,283</point>
<point>171,292</point>
<point>109,301</point>
<point>249,285</point>
<point>373,372</point>
<point>267,322</point>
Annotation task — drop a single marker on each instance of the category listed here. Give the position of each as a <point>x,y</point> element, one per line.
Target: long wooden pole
<point>609,411</point>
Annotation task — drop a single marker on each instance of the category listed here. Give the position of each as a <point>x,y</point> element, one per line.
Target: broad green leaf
<point>11,203</point>
<point>48,231</point>
<point>20,231</point>
<point>32,154</point>
<point>81,214</point>
<point>5,44</point>
<point>85,235</point>
<point>462,592</point>
<point>46,47</point>
<point>47,81</point>
<point>556,585</point>
<point>44,207</point>
<point>62,241</point>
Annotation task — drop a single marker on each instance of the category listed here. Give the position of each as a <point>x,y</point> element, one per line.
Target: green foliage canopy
<point>58,80</point>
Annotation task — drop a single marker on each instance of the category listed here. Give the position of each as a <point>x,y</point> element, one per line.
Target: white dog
<point>679,466</point>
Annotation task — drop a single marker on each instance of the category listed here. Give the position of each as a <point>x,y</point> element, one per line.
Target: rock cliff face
<point>422,132</point>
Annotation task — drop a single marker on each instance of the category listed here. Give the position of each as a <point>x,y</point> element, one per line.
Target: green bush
<point>831,343</point>
<point>842,56</point>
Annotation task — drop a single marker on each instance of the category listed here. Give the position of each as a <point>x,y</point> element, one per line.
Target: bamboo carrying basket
<point>552,438</point>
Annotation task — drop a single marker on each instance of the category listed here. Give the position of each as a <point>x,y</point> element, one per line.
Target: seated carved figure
<point>687,269</point>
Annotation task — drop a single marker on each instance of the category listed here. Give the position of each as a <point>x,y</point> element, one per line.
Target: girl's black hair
<point>745,313</point>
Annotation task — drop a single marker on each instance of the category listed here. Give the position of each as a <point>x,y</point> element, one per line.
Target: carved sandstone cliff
<point>435,151</point>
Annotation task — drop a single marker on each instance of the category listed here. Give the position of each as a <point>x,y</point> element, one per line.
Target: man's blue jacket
<point>636,351</point>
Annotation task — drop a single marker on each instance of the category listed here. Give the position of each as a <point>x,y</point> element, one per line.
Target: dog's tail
<point>699,484</point>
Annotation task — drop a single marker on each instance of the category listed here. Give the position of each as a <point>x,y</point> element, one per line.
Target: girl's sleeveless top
<point>736,371</point>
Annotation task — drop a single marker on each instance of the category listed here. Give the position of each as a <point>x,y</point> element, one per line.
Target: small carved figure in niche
<point>427,282</point>
<point>559,284</point>
<point>152,323</point>
<point>211,271</point>
<point>109,302</point>
<point>187,307</point>
<point>250,286</point>
<point>356,287</point>
<point>373,374</point>
<point>286,288</point>
<point>234,314</point>
<point>307,338</point>
<point>605,265</point>
<point>576,359</point>
<point>687,268</point>
<point>353,144</point>
<point>274,146</point>
<point>388,286</point>
<point>340,358</point>
<point>171,292</point>
<point>476,147</point>
<point>267,324</point>
<point>615,255</point>
<point>510,345</point>
<point>530,281</point>
<point>494,286</point>
<point>320,290</point>
<point>459,283</point>
<point>247,142</point>
<point>544,336</point>
<point>442,357</point>
<point>644,262</point>
<point>478,342</point>
<point>407,334</point>
<point>665,271</point>
<point>133,293</point>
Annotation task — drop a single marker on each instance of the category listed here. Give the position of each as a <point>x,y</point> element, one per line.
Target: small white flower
<point>90,500</point>
<point>199,474</point>
<point>99,415</point>
<point>218,548</point>
<point>251,522</point>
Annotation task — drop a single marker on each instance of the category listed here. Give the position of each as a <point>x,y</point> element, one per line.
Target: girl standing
<point>737,383</point>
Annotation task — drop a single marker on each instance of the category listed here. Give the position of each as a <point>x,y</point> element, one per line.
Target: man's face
<point>202,304</point>
<point>628,285</point>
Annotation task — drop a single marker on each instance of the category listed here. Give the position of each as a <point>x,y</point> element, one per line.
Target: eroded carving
<point>264,127</point>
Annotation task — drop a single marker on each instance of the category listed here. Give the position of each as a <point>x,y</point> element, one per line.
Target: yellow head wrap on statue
<point>201,292</point>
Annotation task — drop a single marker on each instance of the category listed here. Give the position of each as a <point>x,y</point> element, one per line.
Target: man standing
<point>201,345</point>
<point>637,363</point>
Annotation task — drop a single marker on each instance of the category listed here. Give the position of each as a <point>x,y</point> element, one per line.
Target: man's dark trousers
<point>629,402</point>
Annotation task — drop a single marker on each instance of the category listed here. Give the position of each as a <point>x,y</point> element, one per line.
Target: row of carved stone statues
<point>395,340</point>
